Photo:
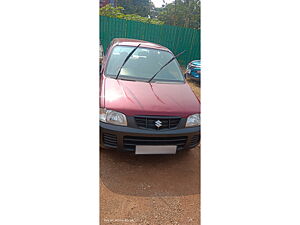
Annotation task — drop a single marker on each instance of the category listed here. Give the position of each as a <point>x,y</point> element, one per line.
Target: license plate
<point>155,149</point>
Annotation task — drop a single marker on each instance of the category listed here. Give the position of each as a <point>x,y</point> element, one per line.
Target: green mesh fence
<point>175,38</point>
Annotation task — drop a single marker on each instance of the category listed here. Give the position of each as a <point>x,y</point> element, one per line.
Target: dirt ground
<point>150,189</point>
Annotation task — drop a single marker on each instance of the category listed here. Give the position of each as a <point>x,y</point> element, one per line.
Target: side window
<point>108,47</point>
<point>105,51</point>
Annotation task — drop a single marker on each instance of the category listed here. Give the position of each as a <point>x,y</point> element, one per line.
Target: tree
<point>110,11</point>
<point>184,13</point>
<point>139,7</point>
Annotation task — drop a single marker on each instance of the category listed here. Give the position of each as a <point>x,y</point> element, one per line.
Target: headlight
<point>113,117</point>
<point>193,120</point>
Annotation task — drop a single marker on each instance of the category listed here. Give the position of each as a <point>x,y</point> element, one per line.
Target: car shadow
<point>151,175</point>
<point>195,82</point>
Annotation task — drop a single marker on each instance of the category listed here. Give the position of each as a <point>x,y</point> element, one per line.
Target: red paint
<point>141,98</point>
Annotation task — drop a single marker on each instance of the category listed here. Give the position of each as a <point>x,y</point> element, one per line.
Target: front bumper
<point>126,138</point>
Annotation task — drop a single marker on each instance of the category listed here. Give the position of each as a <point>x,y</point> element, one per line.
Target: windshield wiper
<point>130,54</point>
<point>174,57</point>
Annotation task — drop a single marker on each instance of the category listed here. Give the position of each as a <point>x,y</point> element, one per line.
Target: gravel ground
<point>150,189</point>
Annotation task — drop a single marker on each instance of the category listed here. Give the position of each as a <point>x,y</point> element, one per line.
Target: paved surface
<point>150,189</point>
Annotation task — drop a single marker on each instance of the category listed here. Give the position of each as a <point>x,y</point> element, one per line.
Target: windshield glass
<point>143,64</point>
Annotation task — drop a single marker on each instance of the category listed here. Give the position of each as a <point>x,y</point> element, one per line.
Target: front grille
<point>194,141</point>
<point>152,122</point>
<point>110,140</point>
<point>131,141</point>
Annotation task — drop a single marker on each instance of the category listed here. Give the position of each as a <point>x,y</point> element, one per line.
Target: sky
<point>159,3</point>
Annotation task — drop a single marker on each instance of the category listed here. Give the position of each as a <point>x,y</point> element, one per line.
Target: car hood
<point>141,98</point>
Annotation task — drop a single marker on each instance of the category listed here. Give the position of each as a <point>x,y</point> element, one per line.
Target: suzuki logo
<point>158,123</point>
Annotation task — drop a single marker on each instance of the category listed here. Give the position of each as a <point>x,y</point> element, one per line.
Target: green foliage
<point>115,12</point>
<point>139,7</point>
<point>184,13</point>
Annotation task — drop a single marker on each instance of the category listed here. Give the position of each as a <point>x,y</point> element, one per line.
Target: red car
<point>146,105</point>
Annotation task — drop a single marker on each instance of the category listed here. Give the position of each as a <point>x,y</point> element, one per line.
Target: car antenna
<point>174,57</point>
<point>128,56</point>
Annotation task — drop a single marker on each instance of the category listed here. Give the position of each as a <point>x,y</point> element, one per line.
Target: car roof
<point>135,42</point>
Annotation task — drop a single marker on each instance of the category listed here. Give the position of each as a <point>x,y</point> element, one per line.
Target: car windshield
<point>143,64</point>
